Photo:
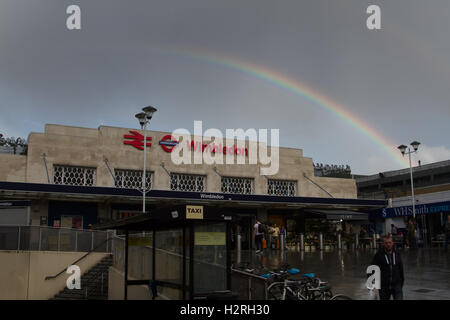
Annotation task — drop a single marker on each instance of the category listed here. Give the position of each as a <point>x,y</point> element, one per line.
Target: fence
<point>248,286</point>
<point>41,238</point>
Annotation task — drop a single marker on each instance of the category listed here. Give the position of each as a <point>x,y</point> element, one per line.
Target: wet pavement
<point>427,271</point>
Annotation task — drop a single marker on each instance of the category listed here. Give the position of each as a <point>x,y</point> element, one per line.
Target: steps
<point>94,284</point>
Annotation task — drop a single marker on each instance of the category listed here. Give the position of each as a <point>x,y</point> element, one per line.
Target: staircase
<point>94,284</point>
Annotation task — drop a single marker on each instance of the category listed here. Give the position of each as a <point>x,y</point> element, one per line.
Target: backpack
<point>260,228</point>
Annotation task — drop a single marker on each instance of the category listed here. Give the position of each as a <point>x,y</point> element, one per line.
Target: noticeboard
<point>140,241</point>
<point>210,239</point>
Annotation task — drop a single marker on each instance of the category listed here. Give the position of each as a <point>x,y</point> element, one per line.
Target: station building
<point>76,177</point>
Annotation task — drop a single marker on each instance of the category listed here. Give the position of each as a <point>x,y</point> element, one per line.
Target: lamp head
<point>149,111</point>
<point>402,149</point>
<point>142,118</point>
<point>415,145</point>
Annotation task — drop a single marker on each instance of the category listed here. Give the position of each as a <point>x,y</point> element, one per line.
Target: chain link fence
<point>41,238</point>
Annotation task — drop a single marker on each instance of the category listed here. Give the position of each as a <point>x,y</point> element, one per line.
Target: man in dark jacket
<point>391,267</point>
<point>447,233</point>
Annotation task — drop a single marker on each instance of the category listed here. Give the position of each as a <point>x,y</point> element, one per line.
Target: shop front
<point>430,220</point>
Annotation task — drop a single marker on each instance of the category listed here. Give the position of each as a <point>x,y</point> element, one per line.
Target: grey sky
<point>129,54</point>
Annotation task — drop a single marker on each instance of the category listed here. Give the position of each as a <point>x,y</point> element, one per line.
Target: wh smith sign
<point>428,208</point>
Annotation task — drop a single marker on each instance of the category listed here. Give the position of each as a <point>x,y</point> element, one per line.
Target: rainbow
<point>300,89</point>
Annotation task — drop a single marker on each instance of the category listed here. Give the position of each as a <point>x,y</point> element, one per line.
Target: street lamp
<point>144,118</point>
<point>403,149</point>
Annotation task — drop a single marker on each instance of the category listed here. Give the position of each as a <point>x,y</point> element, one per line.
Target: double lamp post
<point>144,118</point>
<point>407,150</point>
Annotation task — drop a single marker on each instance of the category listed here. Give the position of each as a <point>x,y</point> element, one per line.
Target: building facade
<point>431,195</point>
<point>74,177</point>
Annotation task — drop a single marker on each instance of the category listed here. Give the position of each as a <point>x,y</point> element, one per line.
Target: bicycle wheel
<point>276,291</point>
<point>340,297</point>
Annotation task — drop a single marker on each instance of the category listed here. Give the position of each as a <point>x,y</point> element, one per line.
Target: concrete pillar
<point>302,242</point>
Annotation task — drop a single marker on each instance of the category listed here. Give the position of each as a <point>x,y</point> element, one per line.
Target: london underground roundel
<point>168,143</point>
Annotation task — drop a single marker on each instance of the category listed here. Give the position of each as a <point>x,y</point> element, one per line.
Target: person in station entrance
<point>447,232</point>
<point>391,267</point>
<point>393,230</point>
<point>258,233</point>
<point>275,235</point>
<point>412,233</point>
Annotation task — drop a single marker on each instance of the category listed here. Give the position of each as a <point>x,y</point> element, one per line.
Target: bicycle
<point>307,288</point>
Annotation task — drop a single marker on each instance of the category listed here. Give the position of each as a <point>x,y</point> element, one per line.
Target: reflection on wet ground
<point>427,271</point>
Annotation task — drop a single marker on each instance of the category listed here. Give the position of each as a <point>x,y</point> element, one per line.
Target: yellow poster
<point>140,241</point>
<point>194,212</point>
<point>210,239</point>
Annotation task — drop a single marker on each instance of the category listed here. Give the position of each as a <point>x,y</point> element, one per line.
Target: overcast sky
<point>134,53</point>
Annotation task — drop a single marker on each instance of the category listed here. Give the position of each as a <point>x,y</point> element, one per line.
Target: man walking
<point>275,234</point>
<point>412,233</point>
<point>258,232</point>
<point>391,267</point>
<point>447,232</point>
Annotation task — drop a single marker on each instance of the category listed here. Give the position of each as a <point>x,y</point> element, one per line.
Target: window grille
<point>74,176</point>
<point>132,179</point>
<point>237,185</point>
<point>187,182</point>
<point>282,188</point>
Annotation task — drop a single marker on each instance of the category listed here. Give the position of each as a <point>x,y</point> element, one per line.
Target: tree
<point>14,144</point>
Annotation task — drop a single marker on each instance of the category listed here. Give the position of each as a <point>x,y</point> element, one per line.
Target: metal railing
<point>248,286</point>
<point>80,259</point>
<point>42,238</point>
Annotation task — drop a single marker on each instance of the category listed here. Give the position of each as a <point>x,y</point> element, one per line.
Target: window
<point>187,182</point>
<point>237,185</point>
<point>74,176</point>
<point>132,179</point>
<point>282,188</point>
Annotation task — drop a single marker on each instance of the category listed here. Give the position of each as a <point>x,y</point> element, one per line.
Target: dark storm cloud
<point>395,79</point>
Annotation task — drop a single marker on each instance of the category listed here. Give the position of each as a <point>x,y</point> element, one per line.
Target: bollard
<point>321,241</point>
<point>238,249</point>
<point>282,243</point>
<point>374,241</point>
<point>238,243</point>
<point>302,242</point>
<point>356,240</point>
<point>339,243</point>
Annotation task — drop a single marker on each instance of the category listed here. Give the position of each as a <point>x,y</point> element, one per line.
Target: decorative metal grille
<point>132,179</point>
<point>187,182</point>
<point>282,188</point>
<point>75,176</point>
<point>237,185</point>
